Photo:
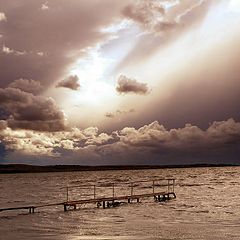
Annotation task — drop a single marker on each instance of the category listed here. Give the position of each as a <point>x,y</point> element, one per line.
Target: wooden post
<point>153,185</point>
<point>168,185</point>
<point>104,205</point>
<point>173,184</point>
<point>131,189</point>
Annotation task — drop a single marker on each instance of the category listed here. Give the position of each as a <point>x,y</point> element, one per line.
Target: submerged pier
<point>110,194</point>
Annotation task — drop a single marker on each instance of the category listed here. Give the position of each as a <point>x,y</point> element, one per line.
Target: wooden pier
<point>110,194</point>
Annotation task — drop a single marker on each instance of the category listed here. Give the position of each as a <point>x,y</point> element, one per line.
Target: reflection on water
<point>207,207</point>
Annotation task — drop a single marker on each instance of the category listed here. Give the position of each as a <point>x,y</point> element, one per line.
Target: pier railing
<point>116,189</point>
<point>110,194</point>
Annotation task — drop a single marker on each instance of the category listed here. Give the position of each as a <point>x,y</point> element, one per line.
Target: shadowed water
<point>207,207</point>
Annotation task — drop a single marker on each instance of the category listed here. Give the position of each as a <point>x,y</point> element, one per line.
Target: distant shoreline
<point>23,168</point>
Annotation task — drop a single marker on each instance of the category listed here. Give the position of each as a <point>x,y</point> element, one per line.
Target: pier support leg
<point>31,210</point>
<point>129,200</point>
<point>65,207</point>
<point>137,200</point>
<point>104,205</point>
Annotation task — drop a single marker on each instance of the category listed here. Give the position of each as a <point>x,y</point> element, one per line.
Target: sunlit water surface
<point>207,207</point>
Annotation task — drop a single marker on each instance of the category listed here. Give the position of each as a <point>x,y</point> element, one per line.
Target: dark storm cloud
<point>27,111</point>
<point>52,35</point>
<point>127,85</point>
<point>71,82</point>
<point>27,85</point>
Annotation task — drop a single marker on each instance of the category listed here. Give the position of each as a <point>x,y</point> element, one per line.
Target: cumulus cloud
<point>26,85</point>
<point>150,15</point>
<point>27,111</point>
<point>71,82</point>
<point>152,143</point>
<point>3,17</point>
<point>51,144</point>
<point>127,85</point>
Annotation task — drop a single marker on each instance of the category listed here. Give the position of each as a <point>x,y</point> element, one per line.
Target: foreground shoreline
<point>23,168</point>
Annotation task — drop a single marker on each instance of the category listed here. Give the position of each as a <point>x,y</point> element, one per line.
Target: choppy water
<point>207,207</point>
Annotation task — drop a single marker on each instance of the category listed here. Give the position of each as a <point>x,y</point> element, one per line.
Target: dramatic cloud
<point>151,142</point>
<point>26,111</point>
<point>26,85</point>
<point>186,53</point>
<point>71,82</point>
<point>176,18</point>
<point>127,85</point>
<point>60,31</point>
<point>155,135</point>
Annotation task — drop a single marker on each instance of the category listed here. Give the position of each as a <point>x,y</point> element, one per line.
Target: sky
<point>93,82</point>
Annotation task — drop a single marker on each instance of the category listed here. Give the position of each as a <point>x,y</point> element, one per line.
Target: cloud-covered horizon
<point>126,146</point>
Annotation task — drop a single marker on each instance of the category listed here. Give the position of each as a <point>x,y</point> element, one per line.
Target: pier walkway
<point>110,194</point>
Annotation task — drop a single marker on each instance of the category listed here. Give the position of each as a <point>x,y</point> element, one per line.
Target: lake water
<point>207,207</point>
